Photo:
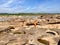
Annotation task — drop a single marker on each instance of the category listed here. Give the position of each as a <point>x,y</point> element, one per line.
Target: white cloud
<point>6,7</point>
<point>7,3</point>
<point>11,2</point>
<point>44,7</point>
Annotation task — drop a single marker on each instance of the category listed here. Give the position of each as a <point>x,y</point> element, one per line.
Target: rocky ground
<point>30,30</point>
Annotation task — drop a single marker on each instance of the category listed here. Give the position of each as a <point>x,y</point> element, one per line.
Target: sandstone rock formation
<point>30,30</point>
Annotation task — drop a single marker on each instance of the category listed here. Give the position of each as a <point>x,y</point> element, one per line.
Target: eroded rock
<point>34,30</point>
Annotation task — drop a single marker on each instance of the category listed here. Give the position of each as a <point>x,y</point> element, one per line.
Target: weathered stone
<point>30,30</point>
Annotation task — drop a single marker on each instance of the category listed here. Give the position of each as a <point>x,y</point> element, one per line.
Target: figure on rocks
<point>35,23</point>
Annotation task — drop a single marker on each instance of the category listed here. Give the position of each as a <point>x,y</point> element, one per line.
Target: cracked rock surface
<point>22,31</point>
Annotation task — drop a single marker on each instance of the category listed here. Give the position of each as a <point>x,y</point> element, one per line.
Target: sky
<point>29,6</point>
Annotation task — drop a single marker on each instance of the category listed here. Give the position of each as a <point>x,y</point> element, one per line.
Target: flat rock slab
<point>30,36</point>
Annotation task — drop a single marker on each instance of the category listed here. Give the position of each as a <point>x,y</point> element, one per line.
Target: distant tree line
<point>29,13</point>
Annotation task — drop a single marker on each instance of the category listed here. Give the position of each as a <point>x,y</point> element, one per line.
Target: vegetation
<point>24,14</point>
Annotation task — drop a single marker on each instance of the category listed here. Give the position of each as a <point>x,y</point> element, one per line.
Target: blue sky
<point>29,6</point>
